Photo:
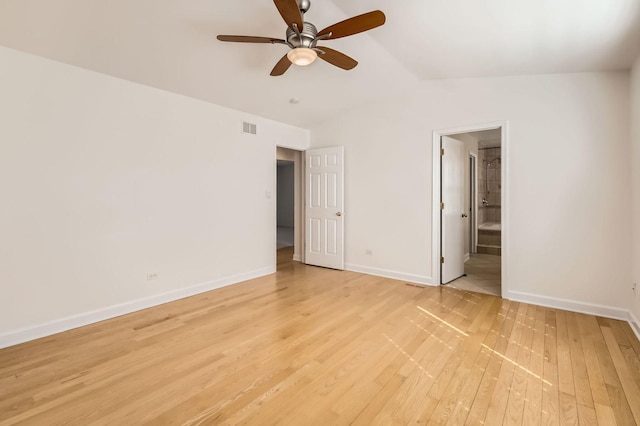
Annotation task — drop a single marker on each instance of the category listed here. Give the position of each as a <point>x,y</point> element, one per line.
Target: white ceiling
<point>170,44</point>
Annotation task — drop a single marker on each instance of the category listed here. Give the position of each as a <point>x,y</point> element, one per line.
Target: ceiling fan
<point>303,37</point>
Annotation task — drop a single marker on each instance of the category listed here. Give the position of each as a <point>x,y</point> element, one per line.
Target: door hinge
<point>441,206</point>
<point>442,260</point>
<point>441,151</point>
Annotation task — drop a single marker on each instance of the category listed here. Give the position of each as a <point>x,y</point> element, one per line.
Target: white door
<point>324,200</point>
<point>453,212</point>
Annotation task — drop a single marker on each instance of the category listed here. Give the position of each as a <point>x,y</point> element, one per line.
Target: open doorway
<point>476,226</point>
<point>288,206</point>
<point>285,206</point>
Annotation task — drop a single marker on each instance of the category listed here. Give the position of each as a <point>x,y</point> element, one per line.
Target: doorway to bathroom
<point>475,222</point>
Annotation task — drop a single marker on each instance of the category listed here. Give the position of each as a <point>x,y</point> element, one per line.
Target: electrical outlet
<point>152,276</point>
<point>368,252</point>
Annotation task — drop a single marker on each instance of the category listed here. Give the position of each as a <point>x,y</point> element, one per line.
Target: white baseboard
<point>63,324</point>
<point>57,326</point>
<point>467,256</point>
<point>412,278</point>
<point>570,305</point>
<point>635,324</point>
<point>297,258</point>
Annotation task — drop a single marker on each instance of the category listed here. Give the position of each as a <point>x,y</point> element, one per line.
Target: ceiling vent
<point>249,128</point>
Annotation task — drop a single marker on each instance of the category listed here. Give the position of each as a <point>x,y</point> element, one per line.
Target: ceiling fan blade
<point>338,59</point>
<point>290,12</point>
<point>281,67</point>
<point>355,25</point>
<point>249,39</point>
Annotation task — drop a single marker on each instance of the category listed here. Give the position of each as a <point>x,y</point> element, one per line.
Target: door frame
<point>473,204</point>
<point>437,189</point>
<point>298,200</point>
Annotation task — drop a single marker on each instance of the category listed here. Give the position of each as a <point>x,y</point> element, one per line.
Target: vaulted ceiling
<point>171,45</point>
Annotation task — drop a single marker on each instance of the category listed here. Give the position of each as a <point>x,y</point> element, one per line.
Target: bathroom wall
<point>489,185</point>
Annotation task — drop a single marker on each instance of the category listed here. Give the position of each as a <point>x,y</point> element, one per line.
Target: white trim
<point>467,256</point>
<point>635,324</point>
<point>570,305</point>
<point>435,220</point>
<point>297,258</point>
<point>505,233</point>
<point>474,248</point>
<point>386,273</point>
<point>63,324</point>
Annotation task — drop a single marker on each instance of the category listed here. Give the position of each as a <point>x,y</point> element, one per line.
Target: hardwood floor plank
<point>515,403</point>
<point>502,329</point>
<point>465,396</point>
<point>550,388</point>
<point>568,409</point>
<point>454,399</point>
<point>587,415</point>
<point>620,406</point>
<point>579,367</point>
<point>535,381</point>
<point>589,334</point>
<point>629,385</point>
<point>605,415</point>
<point>566,383</point>
<point>499,399</point>
<point>374,404</point>
<point>633,340</point>
<point>412,396</point>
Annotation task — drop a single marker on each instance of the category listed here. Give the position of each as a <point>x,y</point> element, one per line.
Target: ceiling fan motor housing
<point>307,36</point>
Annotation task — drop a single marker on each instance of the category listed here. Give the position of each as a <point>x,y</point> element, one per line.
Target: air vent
<point>249,128</point>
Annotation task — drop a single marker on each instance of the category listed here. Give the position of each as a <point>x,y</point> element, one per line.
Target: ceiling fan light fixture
<point>302,56</point>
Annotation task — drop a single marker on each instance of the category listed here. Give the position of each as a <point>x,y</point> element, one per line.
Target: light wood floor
<point>315,346</point>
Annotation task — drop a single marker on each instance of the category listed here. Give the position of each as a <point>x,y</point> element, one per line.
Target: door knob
<point>339,214</point>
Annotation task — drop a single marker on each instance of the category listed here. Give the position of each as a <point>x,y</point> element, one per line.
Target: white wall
<point>635,165</point>
<point>104,181</point>
<point>569,181</point>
